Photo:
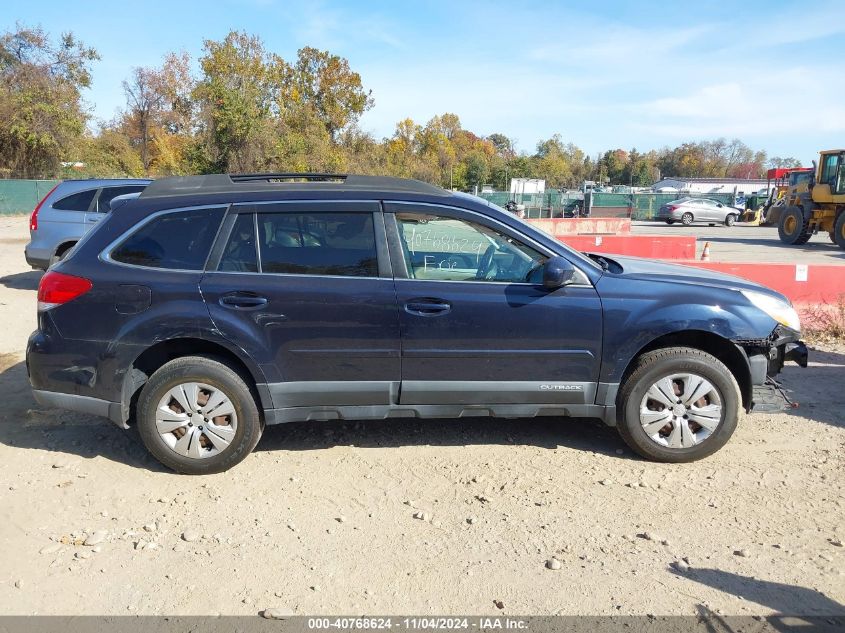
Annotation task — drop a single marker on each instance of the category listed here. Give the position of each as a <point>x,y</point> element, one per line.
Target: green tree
<point>237,96</point>
<point>325,83</point>
<point>41,111</point>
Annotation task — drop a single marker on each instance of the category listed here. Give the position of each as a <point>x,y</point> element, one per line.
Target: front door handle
<point>427,307</point>
<point>93,219</point>
<point>243,301</point>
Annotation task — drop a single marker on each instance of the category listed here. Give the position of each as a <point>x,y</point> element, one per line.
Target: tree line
<point>250,110</point>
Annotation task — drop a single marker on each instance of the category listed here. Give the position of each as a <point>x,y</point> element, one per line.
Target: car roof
<point>285,182</point>
<point>68,187</point>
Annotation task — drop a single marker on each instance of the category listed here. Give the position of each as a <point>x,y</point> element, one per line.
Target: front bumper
<point>767,363</point>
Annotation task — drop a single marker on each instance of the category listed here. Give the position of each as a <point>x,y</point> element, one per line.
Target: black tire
<point>730,219</point>
<point>653,366</point>
<point>793,227</point>
<point>687,218</point>
<point>215,373</point>
<point>838,235</point>
<point>670,222</point>
<point>61,254</point>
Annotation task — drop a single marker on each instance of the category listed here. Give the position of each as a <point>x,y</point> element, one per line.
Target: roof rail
<point>274,182</point>
<point>287,176</point>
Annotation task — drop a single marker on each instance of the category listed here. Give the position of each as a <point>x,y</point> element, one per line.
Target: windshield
<point>581,256</point>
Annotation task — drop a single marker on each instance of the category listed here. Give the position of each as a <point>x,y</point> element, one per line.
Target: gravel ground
<point>474,516</point>
<point>743,243</point>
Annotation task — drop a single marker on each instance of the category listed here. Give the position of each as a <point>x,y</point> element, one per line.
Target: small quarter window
<point>178,241</point>
<point>76,202</point>
<point>318,244</point>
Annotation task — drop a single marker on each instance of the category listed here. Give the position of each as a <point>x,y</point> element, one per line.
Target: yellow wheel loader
<point>817,206</point>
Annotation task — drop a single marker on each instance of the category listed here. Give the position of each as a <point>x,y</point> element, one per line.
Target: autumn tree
<point>325,84</point>
<point>159,112</point>
<point>42,115</point>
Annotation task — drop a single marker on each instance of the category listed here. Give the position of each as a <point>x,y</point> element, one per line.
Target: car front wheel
<point>679,404</point>
<point>197,416</point>
<point>730,220</point>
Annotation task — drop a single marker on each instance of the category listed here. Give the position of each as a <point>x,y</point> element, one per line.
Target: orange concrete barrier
<point>802,283</point>
<point>650,246</point>
<point>583,226</point>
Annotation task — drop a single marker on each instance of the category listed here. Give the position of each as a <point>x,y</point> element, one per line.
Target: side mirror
<point>558,272</point>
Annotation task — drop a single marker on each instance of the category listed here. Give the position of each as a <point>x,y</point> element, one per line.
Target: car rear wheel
<point>730,220</point>
<point>670,221</point>
<point>679,404</point>
<point>197,416</point>
<point>61,253</point>
<point>686,218</point>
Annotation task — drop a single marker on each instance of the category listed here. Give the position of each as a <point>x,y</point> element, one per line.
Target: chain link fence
<point>555,204</point>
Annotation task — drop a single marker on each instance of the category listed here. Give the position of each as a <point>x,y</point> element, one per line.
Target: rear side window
<point>108,193</point>
<point>178,241</point>
<point>76,202</point>
<point>318,244</point>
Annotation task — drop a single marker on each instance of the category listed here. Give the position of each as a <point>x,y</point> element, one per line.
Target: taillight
<point>57,288</point>
<point>33,219</point>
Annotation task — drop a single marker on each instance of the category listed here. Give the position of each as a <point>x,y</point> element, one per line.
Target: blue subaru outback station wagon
<point>213,305</point>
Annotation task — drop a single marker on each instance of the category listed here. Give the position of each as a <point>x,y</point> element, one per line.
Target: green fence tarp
<point>21,196</point>
<point>552,204</point>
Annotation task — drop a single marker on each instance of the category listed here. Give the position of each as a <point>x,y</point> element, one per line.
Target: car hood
<point>650,270</point>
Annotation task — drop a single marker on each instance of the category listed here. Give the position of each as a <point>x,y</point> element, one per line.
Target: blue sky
<point>601,74</point>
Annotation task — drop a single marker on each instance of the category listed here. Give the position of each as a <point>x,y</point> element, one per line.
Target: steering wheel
<point>485,266</point>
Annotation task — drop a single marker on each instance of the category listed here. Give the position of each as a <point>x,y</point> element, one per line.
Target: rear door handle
<point>427,308</point>
<point>93,219</point>
<point>243,301</point>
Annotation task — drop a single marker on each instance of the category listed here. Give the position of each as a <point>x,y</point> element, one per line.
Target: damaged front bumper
<point>766,360</point>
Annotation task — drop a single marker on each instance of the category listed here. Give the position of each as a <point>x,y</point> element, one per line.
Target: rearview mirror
<point>558,272</point>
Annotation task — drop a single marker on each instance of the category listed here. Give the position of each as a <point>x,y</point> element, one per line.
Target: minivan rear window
<point>76,202</point>
<point>179,240</point>
<point>108,193</point>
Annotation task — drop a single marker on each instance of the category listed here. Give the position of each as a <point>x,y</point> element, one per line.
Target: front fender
<point>637,312</point>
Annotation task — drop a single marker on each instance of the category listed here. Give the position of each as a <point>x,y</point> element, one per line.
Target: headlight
<point>780,311</point>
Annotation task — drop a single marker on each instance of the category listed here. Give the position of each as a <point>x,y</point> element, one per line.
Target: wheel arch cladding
<point>730,354</point>
<point>153,357</point>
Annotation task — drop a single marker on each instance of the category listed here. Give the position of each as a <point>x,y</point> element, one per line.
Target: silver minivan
<point>68,212</point>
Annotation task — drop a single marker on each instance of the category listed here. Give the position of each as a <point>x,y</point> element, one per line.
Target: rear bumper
<point>36,259</point>
<point>81,404</point>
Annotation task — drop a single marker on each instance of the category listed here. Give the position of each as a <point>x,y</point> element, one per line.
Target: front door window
<point>441,248</point>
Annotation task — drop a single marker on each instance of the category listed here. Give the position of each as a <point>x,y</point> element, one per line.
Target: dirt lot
<point>321,518</point>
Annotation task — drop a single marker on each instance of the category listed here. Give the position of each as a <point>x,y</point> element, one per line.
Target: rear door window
<point>318,244</point>
<point>108,193</point>
<point>240,254</point>
<point>76,202</point>
<point>179,240</point>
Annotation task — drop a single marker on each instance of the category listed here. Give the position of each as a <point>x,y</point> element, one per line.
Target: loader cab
<point>832,171</point>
